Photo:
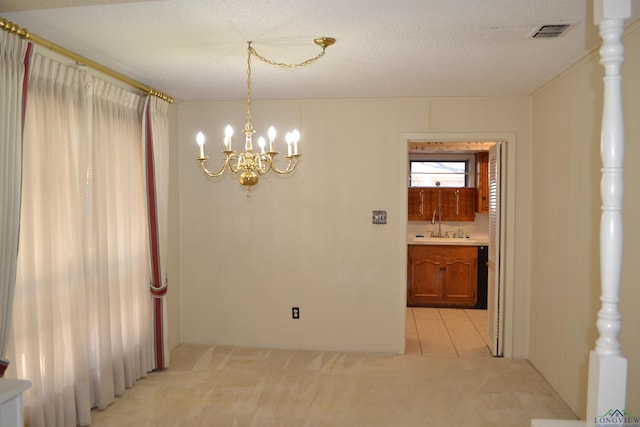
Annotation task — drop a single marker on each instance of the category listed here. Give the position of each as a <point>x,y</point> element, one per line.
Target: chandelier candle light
<point>250,164</point>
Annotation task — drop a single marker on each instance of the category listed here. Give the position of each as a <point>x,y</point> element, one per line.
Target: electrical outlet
<point>295,312</point>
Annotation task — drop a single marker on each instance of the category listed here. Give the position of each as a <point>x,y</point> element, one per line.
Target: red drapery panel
<point>153,141</point>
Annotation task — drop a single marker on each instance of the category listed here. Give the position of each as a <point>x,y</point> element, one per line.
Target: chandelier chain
<point>249,86</point>
<point>284,65</point>
<point>252,51</point>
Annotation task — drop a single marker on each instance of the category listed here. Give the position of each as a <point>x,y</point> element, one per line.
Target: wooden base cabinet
<point>442,276</point>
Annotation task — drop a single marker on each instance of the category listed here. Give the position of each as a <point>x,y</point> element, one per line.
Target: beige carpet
<point>228,386</point>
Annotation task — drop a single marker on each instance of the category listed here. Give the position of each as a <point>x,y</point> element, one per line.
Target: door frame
<point>507,222</point>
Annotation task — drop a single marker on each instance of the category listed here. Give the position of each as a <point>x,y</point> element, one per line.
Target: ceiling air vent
<point>549,31</point>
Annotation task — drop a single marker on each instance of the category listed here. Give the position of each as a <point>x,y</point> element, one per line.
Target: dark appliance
<point>483,276</point>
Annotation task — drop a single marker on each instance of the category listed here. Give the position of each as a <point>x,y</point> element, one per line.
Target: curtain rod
<point>25,34</point>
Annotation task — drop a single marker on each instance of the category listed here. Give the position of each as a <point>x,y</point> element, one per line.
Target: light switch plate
<point>379,217</point>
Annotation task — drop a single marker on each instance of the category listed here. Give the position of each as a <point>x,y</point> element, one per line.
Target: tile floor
<point>447,332</point>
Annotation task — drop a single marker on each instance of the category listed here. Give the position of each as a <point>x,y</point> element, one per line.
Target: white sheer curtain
<point>82,312</point>
<point>12,71</point>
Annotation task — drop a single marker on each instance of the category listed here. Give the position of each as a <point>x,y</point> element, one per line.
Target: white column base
<point>11,401</point>
<point>607,385</point>
<point>558,423</point>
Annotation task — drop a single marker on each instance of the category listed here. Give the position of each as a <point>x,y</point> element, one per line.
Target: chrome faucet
<point>437,210</point>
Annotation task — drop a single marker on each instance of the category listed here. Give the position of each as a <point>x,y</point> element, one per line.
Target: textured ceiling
<point>196,49</point>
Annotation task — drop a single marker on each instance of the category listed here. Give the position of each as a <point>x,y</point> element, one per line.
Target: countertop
<point>412,239</point>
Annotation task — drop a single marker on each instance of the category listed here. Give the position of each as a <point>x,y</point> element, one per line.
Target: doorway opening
<point>483,329</point>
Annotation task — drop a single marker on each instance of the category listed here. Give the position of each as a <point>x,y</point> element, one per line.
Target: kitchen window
<point>449,173</point>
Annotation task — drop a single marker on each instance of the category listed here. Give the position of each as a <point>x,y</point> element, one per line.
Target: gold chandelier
<point>249,164</point>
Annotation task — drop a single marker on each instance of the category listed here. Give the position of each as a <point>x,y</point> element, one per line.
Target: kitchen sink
<point>428,240</point>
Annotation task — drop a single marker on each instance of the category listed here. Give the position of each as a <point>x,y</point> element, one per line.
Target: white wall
<point>173,269</point>
<point>307,240</point>
<point>320,252</point>
<point>566,219</point>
